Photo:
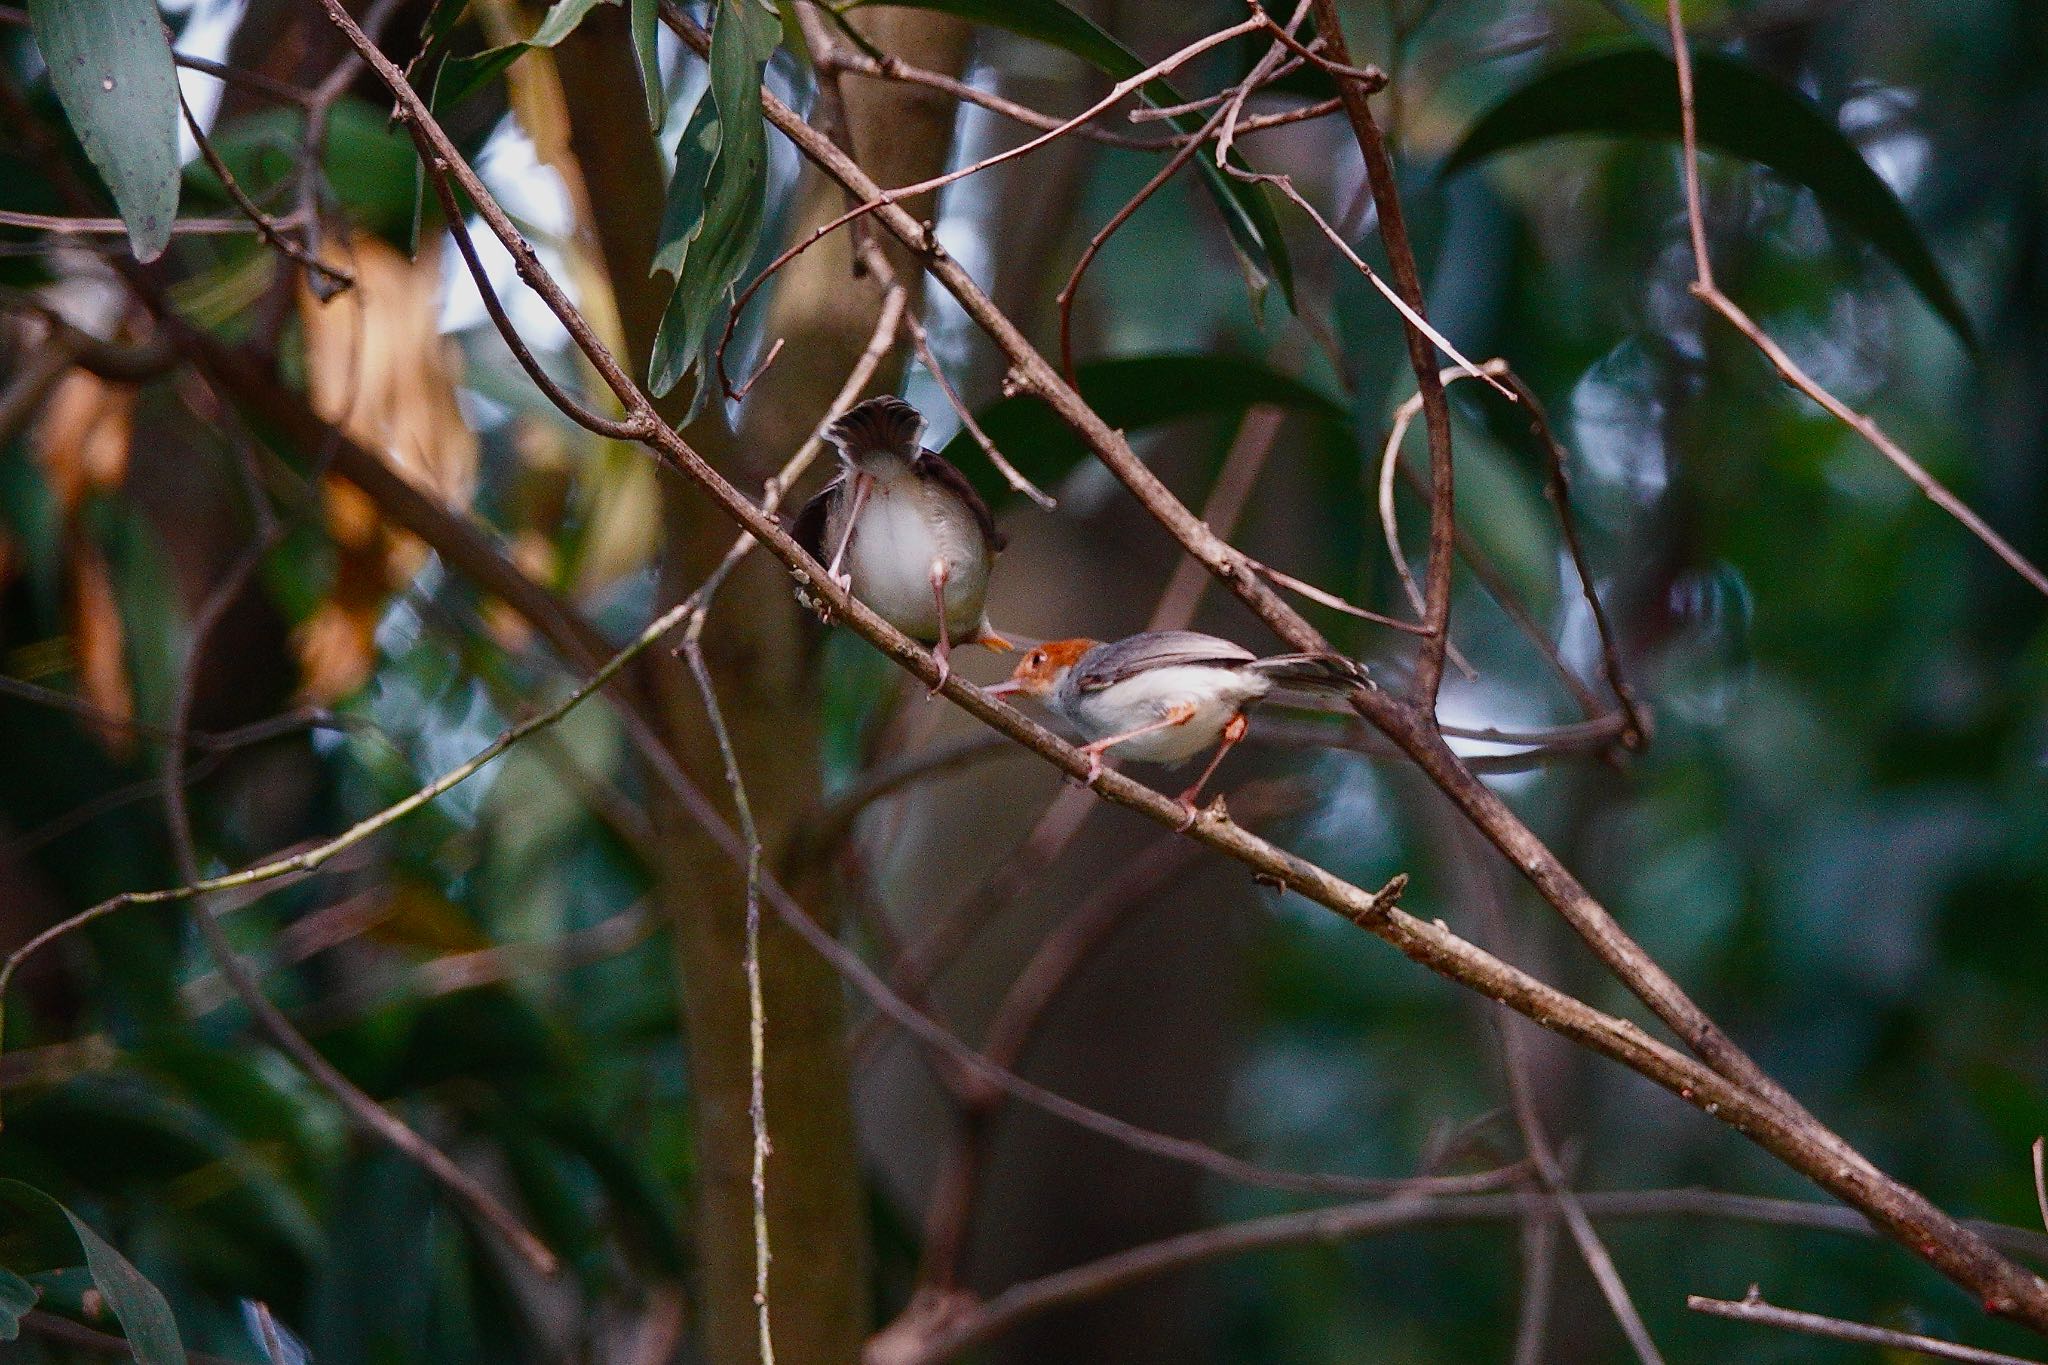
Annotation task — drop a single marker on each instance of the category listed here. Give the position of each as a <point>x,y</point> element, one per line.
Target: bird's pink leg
<point>861,484</point>
<point>943,650</point>
<point>1178,715</point>
<point>1233,731</point>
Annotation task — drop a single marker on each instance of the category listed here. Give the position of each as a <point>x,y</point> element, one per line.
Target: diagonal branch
<point>1356,93</point>
<point>1752,1308</point>
<point>1739,1092</point>
<point>1706,291</point>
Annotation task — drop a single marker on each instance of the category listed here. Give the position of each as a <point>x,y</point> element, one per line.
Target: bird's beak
<point>1009,687</point>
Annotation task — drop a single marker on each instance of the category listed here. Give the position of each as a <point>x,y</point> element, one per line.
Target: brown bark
<point>756,651</point>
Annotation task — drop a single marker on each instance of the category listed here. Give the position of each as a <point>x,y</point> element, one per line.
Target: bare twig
<point>1751,1101</point>
<point>1481,882</point>
<point>1752,1308</point>
<point>922,339</point>
<point>976,1323</point>
<point>1379,171</point>
<point>757,1044</point>
<point>883,199</point>
<point>2040,1181</point>
<point>1228,497</point>
<point>270,229</point>
<point>63,225</point>
<point>1706,291</point>
<point>1808,1145</point>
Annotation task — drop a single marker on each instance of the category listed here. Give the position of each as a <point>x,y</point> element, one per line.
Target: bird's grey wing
<point>947,475</point>
<point>1109,664</point>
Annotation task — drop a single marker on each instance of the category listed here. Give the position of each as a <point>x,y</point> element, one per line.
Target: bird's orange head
<point>1041,670</point>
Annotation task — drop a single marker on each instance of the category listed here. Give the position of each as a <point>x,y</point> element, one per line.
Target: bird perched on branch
<point>904,531</point>
<point>1165,695</point>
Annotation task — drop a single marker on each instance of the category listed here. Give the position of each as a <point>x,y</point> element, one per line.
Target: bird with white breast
<point>904,531</point>
<point>1163,696</point>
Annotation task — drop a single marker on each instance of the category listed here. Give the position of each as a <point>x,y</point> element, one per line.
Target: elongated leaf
<point>562,19</point>
<point>17,1296</point>
<point>136,1303</point>
<point>1743,112</point>
<point>731,201</point>
<point>1247,211</point>
<point>111,67</point>
<point>684,208</point>
<point>1130,393</point>
<point>646,26</point>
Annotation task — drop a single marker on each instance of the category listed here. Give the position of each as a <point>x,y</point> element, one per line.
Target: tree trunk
<point>819,1294</point>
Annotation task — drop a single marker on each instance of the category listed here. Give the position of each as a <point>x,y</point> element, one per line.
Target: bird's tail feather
<point>879,424</point>
<point>1313,672</point>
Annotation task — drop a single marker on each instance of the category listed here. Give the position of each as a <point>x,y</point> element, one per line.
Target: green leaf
<point>646,25</point>
<point>144,1316</point>
<point>1247,211</point>
<point>1743,112</point>
<point>440,22</point>
<point>718,223</point>
<point>561,21</point>
<point>1130,394</point>
<point>111,67</point>
<point>684,207</point>
<point>17,1296</point>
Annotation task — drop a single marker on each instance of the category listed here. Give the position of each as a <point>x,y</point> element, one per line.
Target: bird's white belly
<point>1216,695</point>
<point>901,534</point>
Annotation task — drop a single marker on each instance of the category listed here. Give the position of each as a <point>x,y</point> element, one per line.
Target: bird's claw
<point>1095,770</point>
<point>945,662</point>
<point>1192,814</point>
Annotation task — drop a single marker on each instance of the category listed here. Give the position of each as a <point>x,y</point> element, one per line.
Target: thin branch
<point>890,68</point>
<point>1188,151</point>
<point>1482,886</point>
<point>1228,496</point>
<point>972,1324</point>
<point>1557,487</point>
<point>62,225</point>
<point>885,199</point>
<point>1752,1309</point>
<point>1386,197</point>
<point>2040,1181</point>
<point>1390,526</point>
<point>1807,1145</point>
<point>1751,1102</point>
<point>1706,291</point>
<point>270,229</point>
<point>309,859</point>
<point>359,1105</point>
<point>922,339</point>
<point>757,1026</point>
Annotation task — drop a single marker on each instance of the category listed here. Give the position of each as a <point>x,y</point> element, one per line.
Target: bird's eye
<point>1037,659</point>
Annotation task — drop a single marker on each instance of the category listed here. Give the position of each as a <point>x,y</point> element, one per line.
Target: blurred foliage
<point>1838,840</point>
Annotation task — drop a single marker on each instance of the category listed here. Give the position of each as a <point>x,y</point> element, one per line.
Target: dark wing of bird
<point>807,528</point>
<point>1108,664</point>
<point>942,471</point>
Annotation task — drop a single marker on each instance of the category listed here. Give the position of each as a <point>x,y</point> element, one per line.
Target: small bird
<point>904,531</point>
<point>1165,695</point>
